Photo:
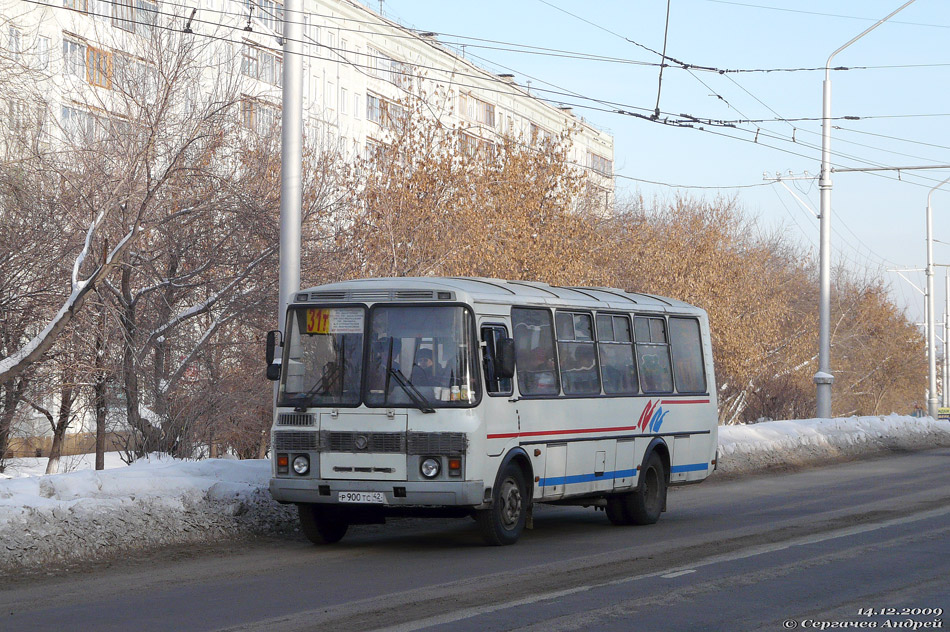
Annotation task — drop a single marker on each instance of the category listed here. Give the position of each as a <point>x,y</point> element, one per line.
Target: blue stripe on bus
<point>584,478</point>
<point>587,478</point>
<point>692,467</point>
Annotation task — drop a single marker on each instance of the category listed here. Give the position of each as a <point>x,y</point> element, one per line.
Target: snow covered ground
<point>49,521</point>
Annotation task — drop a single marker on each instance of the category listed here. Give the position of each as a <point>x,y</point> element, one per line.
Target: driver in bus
<point>423,371</point>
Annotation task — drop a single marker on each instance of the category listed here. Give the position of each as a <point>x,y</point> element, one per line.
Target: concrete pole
<point>946,341</point>
<point>823,378</point>
<point>291,158</point>
<point>931,330</point>
<point>931,327</point>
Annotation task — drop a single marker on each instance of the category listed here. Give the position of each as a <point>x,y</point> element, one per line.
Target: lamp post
<point>931,328</point>
<point>823,378</point>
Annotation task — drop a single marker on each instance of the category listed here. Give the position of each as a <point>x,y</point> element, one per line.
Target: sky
<point>878,219</point>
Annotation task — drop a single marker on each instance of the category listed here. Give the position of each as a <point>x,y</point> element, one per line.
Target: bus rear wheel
<point>646,503</point>
<point>502,523</point>
<point>322,524</point>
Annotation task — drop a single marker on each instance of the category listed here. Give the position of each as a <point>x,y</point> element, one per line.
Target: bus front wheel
<point>503,522</point>
<point>322,524</point>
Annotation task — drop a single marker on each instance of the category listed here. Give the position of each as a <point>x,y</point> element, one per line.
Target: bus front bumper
<point>396,493</point>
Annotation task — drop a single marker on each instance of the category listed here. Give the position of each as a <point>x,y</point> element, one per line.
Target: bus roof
<point>482,290</point>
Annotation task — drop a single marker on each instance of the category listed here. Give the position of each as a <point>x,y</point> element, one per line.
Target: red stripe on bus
<point>557,432</point>
<point>685,401</point>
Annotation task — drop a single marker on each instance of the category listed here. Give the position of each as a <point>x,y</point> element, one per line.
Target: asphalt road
<point>783,551</point>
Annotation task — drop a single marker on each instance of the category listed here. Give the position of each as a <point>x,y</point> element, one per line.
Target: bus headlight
<point>302,464</point>
<point>430,467</point>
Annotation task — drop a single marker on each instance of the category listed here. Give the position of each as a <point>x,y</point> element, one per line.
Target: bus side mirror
<point>505,360</point>
<point>273,340</point>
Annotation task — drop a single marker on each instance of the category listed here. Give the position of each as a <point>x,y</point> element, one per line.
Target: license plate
<point>377,498</point>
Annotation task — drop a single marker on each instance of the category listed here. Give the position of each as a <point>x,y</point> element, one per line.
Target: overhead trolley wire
<point>622,109</point>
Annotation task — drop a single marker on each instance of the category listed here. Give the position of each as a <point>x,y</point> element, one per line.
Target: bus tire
<point>646,503</point>
<point>502,523</point>
<point>322,524</point>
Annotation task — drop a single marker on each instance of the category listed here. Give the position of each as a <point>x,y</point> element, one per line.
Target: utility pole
<point>823,377</point>
<point>946,341</point>
<point>931,332</point>
<point>291,158</point>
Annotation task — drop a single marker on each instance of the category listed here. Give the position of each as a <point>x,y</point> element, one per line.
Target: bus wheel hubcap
<point>511,503</point>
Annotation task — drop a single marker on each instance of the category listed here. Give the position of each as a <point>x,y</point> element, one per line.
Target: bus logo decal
<point>652,416</point>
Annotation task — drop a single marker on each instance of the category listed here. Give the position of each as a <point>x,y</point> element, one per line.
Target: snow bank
<point>84,515</point>
<point>777,445</point>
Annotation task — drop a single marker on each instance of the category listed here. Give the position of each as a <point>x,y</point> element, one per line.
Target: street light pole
<point>823,378</point>
<point>931,328</point>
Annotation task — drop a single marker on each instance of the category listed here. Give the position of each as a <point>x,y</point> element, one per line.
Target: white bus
<point>480,397</point>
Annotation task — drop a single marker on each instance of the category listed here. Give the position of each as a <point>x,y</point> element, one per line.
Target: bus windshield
<point>324,357</point>
<point>419,356</point>
<point>429,350</point>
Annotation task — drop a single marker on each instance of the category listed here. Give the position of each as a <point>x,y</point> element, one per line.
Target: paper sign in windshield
<point>334,321</point>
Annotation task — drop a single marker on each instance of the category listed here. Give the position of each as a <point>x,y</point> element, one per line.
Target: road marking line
<point>678,573</point>
<point>468,613</point>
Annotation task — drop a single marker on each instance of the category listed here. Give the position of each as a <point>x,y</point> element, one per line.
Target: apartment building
<point>359,69</point>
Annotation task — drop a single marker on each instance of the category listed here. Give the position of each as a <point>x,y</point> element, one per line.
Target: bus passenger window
<point>687,348</point>
<point>495,385</point>
<point>616,354</point>
<point>534,351</point>
<point>575,348</point>
<point>653,355</point>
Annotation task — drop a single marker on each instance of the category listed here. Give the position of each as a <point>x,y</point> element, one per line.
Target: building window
<point>268,13</point>
<point>259,116</point>
<point>74,58</point>
<point>598,163</point>
<point>99,67</point>
<point>15,43</point>
<point>476,110</point>
<point>100,9</point>
<point>344,101</point>
<point>41,59</point>
<point>486,114</point>
<point>75,5</point>
<point>373,112</point>
<point>468,143</point>
<point>123,15</point>
<point>315,40</point>
<point>146,16</point>
<point>261,65</point>
<point>356,105</point>
<point>78,125</point>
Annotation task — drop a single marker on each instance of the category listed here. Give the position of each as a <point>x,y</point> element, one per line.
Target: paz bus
<point>480,397</point>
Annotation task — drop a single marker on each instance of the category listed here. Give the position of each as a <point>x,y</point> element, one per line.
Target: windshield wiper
<point>320,388</point>
<point>417,398</point>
